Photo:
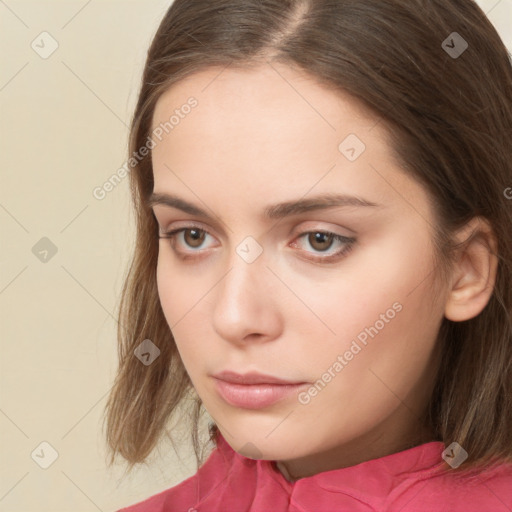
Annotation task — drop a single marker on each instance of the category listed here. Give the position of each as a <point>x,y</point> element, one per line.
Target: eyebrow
<point>275,211</point>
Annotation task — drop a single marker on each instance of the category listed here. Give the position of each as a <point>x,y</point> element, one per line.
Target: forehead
<point>269,129</point>
<point>274,91</point>
<point>268,113</point>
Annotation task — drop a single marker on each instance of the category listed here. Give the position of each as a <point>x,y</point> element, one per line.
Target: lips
<point>252,378</point>
<point>254,390</point>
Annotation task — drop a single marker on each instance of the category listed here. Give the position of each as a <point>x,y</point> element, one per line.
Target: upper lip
<point>252,378</point>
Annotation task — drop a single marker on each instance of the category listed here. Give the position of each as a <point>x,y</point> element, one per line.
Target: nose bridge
<point>242,304</point>
<point>246,269</point>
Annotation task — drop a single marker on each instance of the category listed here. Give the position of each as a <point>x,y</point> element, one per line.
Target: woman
<point>323,256</point>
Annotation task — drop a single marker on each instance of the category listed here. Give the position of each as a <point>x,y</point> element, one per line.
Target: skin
<point>268,135</point>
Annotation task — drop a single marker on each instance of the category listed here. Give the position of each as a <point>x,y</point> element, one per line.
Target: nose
<point>246,308</point>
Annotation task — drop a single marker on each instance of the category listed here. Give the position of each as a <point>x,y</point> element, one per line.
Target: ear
<point>474,273</point>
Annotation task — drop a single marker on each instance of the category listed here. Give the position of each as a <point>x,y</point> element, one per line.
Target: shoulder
<point>184,495</point>
<point>477,491</point>
<point>154,503</point>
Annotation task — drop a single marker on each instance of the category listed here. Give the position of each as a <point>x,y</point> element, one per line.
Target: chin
<point>253,443</point>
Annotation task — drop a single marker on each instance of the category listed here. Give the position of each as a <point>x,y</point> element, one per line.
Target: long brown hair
<point>449,117</point>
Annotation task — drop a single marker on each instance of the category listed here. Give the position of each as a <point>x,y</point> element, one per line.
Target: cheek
<point>358,384</point>
<point>385,350</point>
<point>377,314</point>
<point>180,301</point>
<point>176,292</point>
<point>166,281</point>
<point>173,293</point>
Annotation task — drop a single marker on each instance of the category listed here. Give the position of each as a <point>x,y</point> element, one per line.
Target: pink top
<point>400,482</point>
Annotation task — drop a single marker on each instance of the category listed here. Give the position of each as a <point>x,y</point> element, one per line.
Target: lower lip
<point>255,396</point>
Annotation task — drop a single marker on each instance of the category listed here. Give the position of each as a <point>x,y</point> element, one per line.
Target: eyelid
<point>174,231</point>
<point>314,258</point>
<point>322,226</point>
<point>184,225</point>
<point>296,232</point>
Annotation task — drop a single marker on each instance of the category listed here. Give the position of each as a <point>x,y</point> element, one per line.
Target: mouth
<point>254,390</point>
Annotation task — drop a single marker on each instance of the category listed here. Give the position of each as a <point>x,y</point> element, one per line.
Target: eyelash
<point>349,242</point>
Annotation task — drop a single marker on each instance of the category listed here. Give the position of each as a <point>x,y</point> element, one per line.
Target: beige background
<point>64,132</point>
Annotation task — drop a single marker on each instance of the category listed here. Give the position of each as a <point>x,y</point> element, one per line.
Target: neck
<point>368,447</point>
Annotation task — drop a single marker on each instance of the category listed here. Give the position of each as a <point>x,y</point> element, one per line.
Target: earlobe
<point>474,273</point>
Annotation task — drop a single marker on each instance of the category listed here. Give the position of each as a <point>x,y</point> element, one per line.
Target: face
<point>336,299</point>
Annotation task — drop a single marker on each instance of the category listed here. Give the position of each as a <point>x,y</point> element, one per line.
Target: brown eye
<point>320,241</point>
<point>196,239</point>
<point>191,237</point>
